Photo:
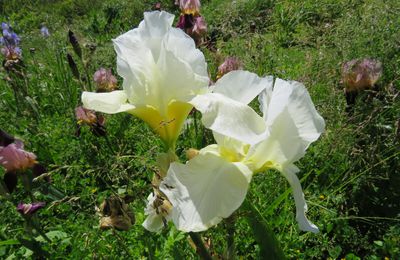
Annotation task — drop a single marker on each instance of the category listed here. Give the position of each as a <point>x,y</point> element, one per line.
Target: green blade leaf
<point>9,242</point>
<point>264,236</point>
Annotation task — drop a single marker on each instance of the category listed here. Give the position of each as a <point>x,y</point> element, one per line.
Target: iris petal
<point>204,191</point>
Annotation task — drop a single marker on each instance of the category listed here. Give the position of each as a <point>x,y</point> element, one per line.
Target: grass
<point>350,176</point>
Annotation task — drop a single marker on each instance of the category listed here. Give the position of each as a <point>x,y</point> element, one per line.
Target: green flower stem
<point>230,228</point>
<point>26,181</point>
<point>3,189</point>
<point>164,162</point>
<point>196,133</point>
<point>33,224</point>
<point>201,249</point>
<point>263,234</point>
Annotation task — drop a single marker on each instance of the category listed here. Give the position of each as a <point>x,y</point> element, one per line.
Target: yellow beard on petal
<point>169,125</point>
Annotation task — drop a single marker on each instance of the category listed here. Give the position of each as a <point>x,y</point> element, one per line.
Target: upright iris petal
<point>190,6</point>
<point>162,72</point>
<point>212,185</point>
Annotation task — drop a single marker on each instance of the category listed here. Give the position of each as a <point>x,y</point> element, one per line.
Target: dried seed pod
<point>73,66</point>
<point>115,214</point>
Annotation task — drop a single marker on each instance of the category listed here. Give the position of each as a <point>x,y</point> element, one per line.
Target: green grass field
<point>350,176</point>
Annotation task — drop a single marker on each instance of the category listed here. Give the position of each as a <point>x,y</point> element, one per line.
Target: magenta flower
<point>30,208</point>
<point>194,26</point>
<point>230,64</point>
<point>88,117</point>
<point>200,27</point>
<point>85,116</point>
<point>13,157</point>
<point>185,22</point>
<point>360,74</point>
<point>104,80</point>
<point>190,6</point>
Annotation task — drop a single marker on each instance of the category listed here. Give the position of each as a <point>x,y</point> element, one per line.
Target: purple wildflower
<point>44,31</point>
<point>185,22</point>
<point>5,26</point>
<point>105,80</point>
<point>13,157</point>
<point>359,74</point>
<point>190,20</point>
<point>200,27</point>
<point>30,208</point>
<point>88,117</point>
<point>11,52</point>
<point>230,64</point>
<point>190,6</point>
<point>10,41</point>
<point>85,116</point>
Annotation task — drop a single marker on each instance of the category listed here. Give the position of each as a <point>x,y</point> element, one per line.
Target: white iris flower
<point>212,185</point>
<point>162,71</point>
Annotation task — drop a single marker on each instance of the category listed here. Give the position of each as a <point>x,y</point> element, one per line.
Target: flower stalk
<point>201,249</point>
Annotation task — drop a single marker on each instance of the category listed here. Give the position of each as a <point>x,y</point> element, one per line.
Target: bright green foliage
<point>350,176</point>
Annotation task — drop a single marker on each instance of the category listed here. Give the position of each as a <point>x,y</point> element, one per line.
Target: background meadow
<point>350,176</point>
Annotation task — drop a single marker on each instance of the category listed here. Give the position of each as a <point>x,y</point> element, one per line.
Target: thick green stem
<point>230,228</point>
<point>164,161</point>
<point>201,249</point>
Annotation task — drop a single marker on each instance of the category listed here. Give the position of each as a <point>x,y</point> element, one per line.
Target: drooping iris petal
<point>30,208</point>
<point>111,102</point>
<point>162,71</point>
<point>301,206</point>
<point>230,118</point>
<point>13,157</point>
<point>242,86</point>
<point>153,222</point>
<point>204,191</point>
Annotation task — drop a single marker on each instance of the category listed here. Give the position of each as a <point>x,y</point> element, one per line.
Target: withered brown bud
<point>75,44</point>
<point>72,65</point>
<point>115,214</point>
